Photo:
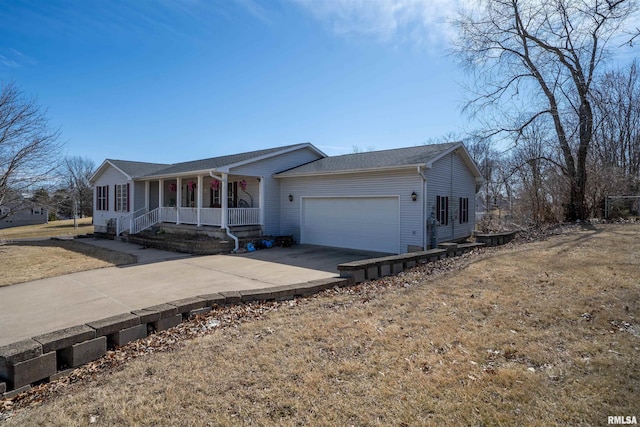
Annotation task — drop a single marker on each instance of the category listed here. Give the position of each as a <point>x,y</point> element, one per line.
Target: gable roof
<point>227,162</point>
<point>423,155</point>
<point>128,168</point>
<point>135,170</point>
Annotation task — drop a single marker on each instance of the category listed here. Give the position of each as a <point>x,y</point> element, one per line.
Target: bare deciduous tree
<point>537,61</point>
<point>29,148</point>
<point>78,171</point>
<point>617,136</point>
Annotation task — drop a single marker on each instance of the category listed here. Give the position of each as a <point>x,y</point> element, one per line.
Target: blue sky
<point>176,80</point>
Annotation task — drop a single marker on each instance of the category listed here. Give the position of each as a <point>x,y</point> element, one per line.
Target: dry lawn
<point>52,229</point>
<point>545,333</point>
<point>33,260</point>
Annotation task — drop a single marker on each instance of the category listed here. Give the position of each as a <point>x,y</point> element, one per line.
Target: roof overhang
<point>227,168</point>
<point>284,175</point>
<point>107,163</point>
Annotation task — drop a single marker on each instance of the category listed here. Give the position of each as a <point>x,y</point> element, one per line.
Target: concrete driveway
<point>46,305</point>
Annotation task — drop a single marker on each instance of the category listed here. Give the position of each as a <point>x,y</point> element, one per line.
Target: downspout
<point>424,207</point>
<point>225,226</point>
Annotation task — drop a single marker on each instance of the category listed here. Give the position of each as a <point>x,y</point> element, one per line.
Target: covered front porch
<point>222,200</point>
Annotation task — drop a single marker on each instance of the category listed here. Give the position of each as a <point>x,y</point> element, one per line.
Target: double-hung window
<point>102,196</point>
<point>464,210</point>
<point>122,197</point>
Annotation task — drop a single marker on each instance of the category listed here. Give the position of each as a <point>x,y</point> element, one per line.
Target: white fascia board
<point>103,166</point>
<point>98,171</point>
<point>349,171</point>
<point>441,155</point>
<point>227,168</point>
<point>470,163</point>
<point>175,175</point>
<point>466,157</point>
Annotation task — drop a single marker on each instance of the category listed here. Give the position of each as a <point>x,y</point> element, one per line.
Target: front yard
<point>23,260</point>
<point>543,333</point>
<point>33,260</point>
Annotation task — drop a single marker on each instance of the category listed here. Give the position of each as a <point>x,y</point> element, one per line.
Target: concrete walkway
<point>47,305</point>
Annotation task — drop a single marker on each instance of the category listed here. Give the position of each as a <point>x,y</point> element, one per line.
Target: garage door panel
<point>369,223</point>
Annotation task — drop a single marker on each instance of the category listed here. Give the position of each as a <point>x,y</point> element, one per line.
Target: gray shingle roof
<point>216,162</point>
<point>137,169</point>
<point>144,169</point>
<point>372,160</point>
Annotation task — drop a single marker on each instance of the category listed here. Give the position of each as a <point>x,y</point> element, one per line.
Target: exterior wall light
<point>414,196</point>
<point>290,198</point>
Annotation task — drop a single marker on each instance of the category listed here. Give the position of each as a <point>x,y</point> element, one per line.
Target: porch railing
<point>211,216</point>
<point>145,221</point>
<point>244,216</point>
<point>188,215</point>
<point>169,214</point>
<point>139,221</point>
<point>124,223</point>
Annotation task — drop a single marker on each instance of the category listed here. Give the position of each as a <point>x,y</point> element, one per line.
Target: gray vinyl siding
<point>137,198</point>
<point>451,177</point>
<point>265,169</point>
<point>110,177</point>
<point>25,217</point>
<point>154,196</point>
<point>396,183</point>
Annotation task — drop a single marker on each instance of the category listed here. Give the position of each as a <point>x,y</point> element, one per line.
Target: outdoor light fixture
<point>414,196</point>
<point>290,198</point>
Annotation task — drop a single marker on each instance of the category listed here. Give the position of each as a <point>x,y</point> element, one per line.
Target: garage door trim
<point>376,196</point>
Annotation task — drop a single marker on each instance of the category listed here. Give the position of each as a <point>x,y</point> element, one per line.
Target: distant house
<point>378,201</point>
<point>14,216</point>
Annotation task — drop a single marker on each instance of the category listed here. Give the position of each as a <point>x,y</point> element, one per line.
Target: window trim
<point>102,198</point>
<point>121,197</point>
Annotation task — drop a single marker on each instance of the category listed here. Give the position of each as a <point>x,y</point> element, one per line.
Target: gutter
<point>283,175</point>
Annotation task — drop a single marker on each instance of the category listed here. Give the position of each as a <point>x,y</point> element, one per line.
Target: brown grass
<point>52,229</point>
<point>33,260</point>
<point>538,334</point>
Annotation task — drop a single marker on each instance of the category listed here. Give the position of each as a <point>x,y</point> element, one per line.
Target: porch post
<point>261,199</point>
<point>178,198</point>
<point>161,198</point>
<point>225,200</point>
<point>199,189</point>
<point>146,196</point>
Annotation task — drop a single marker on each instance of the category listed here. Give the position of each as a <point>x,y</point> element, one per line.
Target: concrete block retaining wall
<point>495,239</point>
<point>370,269</point>
<point>52,355</point>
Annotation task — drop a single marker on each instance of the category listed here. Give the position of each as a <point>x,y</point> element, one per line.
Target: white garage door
<point>368,223</point>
